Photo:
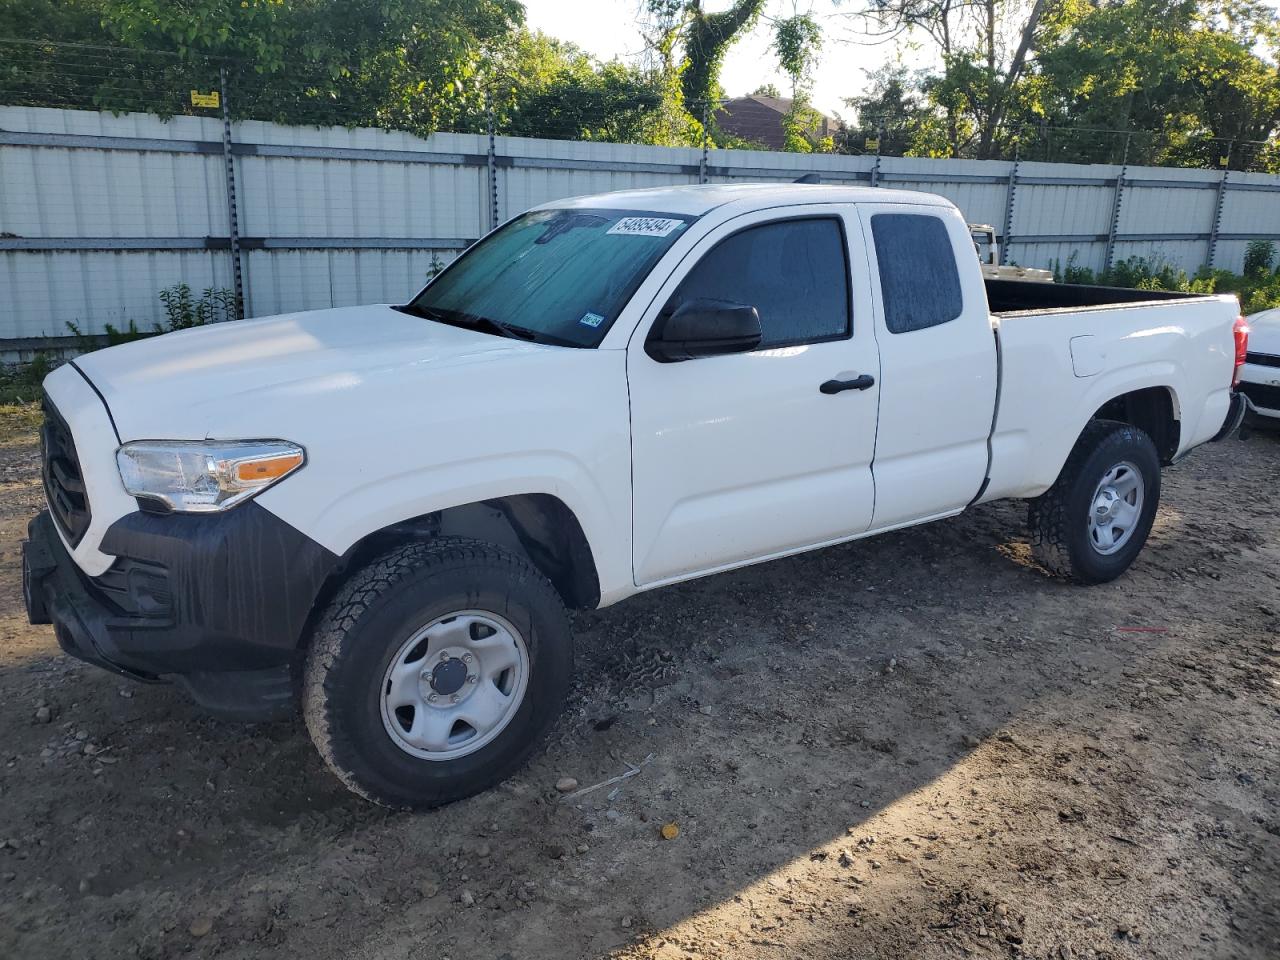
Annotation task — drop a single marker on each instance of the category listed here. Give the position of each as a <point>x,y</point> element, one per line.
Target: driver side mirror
<point>705,328</point>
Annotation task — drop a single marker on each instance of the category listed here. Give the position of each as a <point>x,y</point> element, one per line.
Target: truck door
<point>741,457</point>
<point>937,361</point>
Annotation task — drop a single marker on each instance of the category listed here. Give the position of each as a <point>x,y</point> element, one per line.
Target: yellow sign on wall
<point>872,145</point>
<point>211,99</point>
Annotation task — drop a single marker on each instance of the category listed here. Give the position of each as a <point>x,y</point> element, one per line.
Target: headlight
<point>205,476</point>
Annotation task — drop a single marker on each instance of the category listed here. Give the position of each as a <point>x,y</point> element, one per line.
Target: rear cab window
<point>559,276</point>
<point>919,281</point>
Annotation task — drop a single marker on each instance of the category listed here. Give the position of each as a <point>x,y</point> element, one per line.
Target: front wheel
<point>436,671</point>
<point>1092,523</point>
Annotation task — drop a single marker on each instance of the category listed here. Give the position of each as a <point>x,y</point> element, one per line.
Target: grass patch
<point>20,424</point>
<point>20,383</point>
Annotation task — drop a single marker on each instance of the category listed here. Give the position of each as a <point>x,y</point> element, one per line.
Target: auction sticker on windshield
<point>645,226</point>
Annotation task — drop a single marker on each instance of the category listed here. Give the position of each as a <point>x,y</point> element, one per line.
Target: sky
<point>609,28</point>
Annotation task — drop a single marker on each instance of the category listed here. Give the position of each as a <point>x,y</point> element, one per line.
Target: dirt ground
<point>914,746</point>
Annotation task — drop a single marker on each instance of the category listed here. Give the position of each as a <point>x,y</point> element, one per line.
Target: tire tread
<point>364,588</point>
<point>1048,515</point>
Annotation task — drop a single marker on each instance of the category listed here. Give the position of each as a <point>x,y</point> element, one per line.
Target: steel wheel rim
<point>454,685</point>
<point>1115,510</point>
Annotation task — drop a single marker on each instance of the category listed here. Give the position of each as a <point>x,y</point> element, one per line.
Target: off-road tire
<point>1059,518</point>
<point>368,620</point>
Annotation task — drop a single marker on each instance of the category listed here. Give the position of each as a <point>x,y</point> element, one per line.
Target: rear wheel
<point>1091,524</point>
<point>436,671</point>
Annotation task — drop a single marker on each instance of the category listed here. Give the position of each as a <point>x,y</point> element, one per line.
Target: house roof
<point>758,117</point>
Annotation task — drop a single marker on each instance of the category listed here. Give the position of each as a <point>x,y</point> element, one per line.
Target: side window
<point>918,276</point>
<point>793,272</point>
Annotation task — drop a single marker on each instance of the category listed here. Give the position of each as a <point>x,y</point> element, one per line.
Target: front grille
<point>1262,359</point>
<point>63,481</point>
<point>1262,395</point>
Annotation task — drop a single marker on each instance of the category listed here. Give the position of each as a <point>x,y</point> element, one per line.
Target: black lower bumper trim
<point>247,695</point>
<point>1235,416</point>
<point>54,592</point>
<point>218,603</point>
<point>37,563</point>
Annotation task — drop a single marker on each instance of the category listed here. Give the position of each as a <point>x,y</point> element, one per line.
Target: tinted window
<point>918,277</point>
<point>792,272</point>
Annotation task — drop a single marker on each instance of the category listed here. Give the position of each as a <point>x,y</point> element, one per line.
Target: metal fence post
<point>703,175</point>
<point>1217,208</point>
<point>875,167</point>
<point>491,164</point>
<point>233,224</point>
<point>1010,198</point>
<point>1116,202</point>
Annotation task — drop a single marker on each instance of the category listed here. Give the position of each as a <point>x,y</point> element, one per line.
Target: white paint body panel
<point>673,470</point>
<point>399,417</point>
<point>937,392</point>
<point>1185,346</point>
<point>1264,338</point>
<point>740,456</point>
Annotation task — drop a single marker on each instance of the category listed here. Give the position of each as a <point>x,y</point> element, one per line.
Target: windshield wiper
<point>416,311</point>
<point>471,321</point>
<point>503,329</point>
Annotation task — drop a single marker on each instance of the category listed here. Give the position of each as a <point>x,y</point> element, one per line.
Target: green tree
<point>895,112</point>
<point>691,45</point>
<point>1194,83</point>
<point>796,41</point>
<point>414,64</point>
<point>987,48</point>
<point>543,87</point>
<point>1192,74</point>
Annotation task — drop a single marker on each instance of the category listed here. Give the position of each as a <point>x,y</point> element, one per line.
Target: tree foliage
<point>543,87</point>
<point>1185,82</point>
<point>1192,74</point>
<point>893,112</point>
<point>418,65</point>
<point>414,64</point>
<point>691,45</point>
<point>797,41</point>
<point>1192,83</point>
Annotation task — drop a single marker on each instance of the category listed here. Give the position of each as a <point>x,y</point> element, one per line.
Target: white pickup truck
<point>382,512</point>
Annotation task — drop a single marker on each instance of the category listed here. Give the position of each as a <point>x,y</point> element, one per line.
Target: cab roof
<point>698,199</point>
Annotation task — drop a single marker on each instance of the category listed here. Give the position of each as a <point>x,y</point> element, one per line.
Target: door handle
<point>857,383</point>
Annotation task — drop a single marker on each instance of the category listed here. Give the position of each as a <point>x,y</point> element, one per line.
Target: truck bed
<point>1007,297</point>
<point>1066,350</point>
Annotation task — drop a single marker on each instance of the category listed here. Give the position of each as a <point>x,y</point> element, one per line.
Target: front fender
<point>338,515</point>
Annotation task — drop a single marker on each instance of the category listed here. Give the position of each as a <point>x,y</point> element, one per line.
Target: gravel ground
<point>914,746</point>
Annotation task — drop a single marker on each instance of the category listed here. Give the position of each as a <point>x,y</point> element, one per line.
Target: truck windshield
<point>553,276</point>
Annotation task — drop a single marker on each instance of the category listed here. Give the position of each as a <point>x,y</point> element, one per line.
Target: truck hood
<point>222,380</point>
<point>1264,332</point>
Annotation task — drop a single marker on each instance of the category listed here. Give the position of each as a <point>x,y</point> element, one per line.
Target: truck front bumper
<point>217,604</point>
<point>54,592</point>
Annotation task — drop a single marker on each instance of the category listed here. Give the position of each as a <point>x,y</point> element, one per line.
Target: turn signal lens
<point>270,468</point>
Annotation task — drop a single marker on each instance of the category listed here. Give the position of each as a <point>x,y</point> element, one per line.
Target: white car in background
<point>1260,375</point>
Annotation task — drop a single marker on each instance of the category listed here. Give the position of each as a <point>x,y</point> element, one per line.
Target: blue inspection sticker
<point>592,320</point>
